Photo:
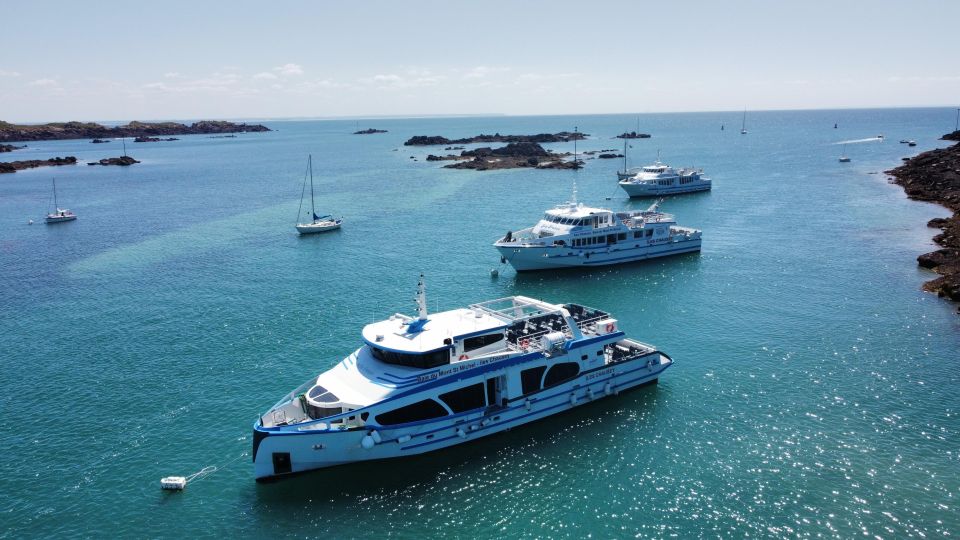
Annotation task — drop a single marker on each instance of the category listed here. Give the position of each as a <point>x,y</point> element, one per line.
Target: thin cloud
<point>4,73</point>
<point>43,82</point>
<point>289,69</point>
<point>265,75</point>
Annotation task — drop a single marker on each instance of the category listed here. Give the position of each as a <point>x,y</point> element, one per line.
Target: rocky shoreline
<point>90,130</point>
<point>10,148</point>
<point>432,140</point>
<point>369,131</point>
<point>511,156</point>
<point>14,166</point>
<point>934,176</point>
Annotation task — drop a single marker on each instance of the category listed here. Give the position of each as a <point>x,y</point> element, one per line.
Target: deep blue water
<point>814,391</point>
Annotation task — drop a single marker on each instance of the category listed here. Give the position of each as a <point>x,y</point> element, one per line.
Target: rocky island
<point>10,148</point>
<point>370,131</point>
<point>90,130</point>
<point>154,139</point>
<point>123,161</point>
<point>430,140</point>
<point>14,166</point>
<point>935,176</point>
<point>99,141</point>
<point>633,135</point>
<point>511,156</point>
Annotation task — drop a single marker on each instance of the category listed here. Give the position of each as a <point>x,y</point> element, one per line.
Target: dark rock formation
<point>633,135</point>
<point>369,131</point>
<point>610,156</point>
<point>89,130</point>
<point>511,156</point>
<point>935,176</point>
<point>99,141</point>
<point>154,139</point>
<point>10,148</point>
<point>955,136</point>
<point>563,136</point>
<point>14,166</point>
<point>123,161</point>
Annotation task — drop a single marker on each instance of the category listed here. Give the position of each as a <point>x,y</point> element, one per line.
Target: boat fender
<point>528,404</point>
<point>610,327</point>
<point>464,357</point>
<point>589,393</point>
<point>403,439</point>
<point>461,433</point>
<point>376,437</point>
<point>608,388</point>
<point>474,427</point>
<point>573,398</point>
<point>367,442</point>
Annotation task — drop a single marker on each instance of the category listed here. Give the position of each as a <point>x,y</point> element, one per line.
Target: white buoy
<point>173,483</point>
<point>29,222</point>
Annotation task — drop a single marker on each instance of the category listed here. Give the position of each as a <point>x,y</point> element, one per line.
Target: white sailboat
<point>318,223</point>
<point>843,155</point>
<point>60,214</point>
<point>743,125</point>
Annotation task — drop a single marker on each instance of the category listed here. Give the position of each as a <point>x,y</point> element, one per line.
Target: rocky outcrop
<point>14,166</point>
<point>955,136</point>
<point>511,156</point>
<point>430,140</point>
<point>609,156</point>
<point>935,176</point>
<point>633,135</point>
<point>369,131</point>
<point>90,130</point>
<point>99,141</point>
<point>154,139</point>
<point>123,161</point>
<point>10,148</point>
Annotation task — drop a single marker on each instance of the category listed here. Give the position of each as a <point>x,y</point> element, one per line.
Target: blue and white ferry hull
<point>526,258</point>
<point>637,189</point>
<point>286,450</point>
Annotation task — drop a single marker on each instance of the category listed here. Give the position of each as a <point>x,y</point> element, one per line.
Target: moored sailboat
<point>318,223</point>
<point>59,215</point>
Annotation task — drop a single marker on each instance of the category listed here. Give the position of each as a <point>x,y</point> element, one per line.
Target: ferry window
<point>465,399</point>
<point>622,236</point>
<point>530,379</point>
<point>429,359</point>
<point>561,372</point>
<point>636,234</point>
<point>477,342</point>
<point>584,357</point>
<point>649,233</point>
<point>612,238</point>
<point>421,410</point>
<point>491,391</point>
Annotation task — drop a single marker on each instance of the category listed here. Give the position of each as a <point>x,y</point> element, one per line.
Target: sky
<point>109,60</point>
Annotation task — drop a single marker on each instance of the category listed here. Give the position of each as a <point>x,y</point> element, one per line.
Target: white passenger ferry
<point>419,384</point>
<point>660,179</point>
<point>574,235</point>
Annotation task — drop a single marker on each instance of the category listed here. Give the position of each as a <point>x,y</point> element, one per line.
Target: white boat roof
<point>571,210</point>
<point>394,333</point>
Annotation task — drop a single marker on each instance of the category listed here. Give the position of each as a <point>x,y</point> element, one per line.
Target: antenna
<point>422,299</point>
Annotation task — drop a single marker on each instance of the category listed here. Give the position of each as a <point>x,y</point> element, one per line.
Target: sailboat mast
<point>624,154</point>
<point>743,125</point>
<point>56,205</point>
<point>313,211</point>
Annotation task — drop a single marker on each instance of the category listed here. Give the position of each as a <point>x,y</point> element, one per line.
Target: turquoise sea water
<point>814,392</point>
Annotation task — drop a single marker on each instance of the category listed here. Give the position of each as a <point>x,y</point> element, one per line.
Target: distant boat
<point>911,143</point>
<point>843,155</point>
<point>60,214</point>
<point>319,223</point>
<point>834,126</point>
<point>743,125</point>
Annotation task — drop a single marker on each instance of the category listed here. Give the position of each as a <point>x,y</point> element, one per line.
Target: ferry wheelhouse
<point>574,235</point>
<point>660,179</point>
<point>419,384</point>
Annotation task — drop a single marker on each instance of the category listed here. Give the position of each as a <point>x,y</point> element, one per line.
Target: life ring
<point>524,343</point>
<point>464,357</point>
<point>610,327</point>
